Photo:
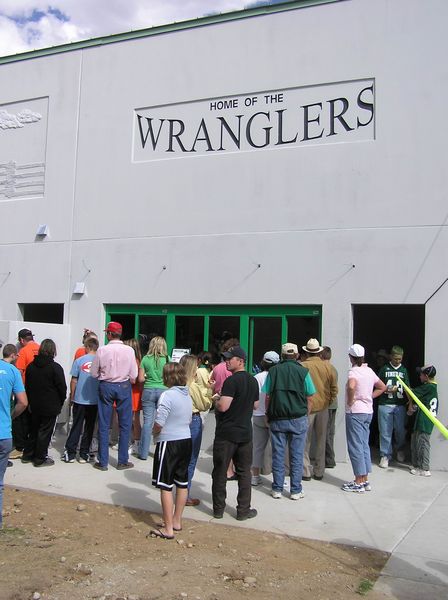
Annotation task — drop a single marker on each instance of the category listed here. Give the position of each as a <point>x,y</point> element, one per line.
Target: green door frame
<point>244,311</point>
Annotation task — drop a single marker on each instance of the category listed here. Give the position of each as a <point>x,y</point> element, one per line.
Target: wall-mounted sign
<point>321,114</point>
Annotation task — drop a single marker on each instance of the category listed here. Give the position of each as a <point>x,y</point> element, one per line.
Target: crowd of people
<point>282,419</point>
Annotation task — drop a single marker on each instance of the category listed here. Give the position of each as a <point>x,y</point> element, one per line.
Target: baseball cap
<point>357,351</point>
<point>429,371</point>
<point>235,351</point>
<point>23,333</point>
<point>289,348</point>
<point>271,357</point>
<point>114,327</point>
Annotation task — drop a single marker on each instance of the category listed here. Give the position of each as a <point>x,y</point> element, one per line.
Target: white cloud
<point>31,24</point>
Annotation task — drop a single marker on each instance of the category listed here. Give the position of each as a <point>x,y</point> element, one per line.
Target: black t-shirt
<point>235,425</point>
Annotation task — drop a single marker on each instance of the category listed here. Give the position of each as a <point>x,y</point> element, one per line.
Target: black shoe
<point>249,515</point>
<point>48,462</point>
<point>332,466</point>
<point>26,459</point>
<point>123,466</point>
<point>304,478</point>
<point>99,466</point>
<point>217,515</point>
<point>317,477</point>
<point>10,463</point>
<point>234,477</point>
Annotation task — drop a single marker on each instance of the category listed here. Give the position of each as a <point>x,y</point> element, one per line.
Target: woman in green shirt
<point>150,374</point>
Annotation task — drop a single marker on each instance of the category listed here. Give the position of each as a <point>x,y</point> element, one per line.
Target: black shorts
<point>170,466</point>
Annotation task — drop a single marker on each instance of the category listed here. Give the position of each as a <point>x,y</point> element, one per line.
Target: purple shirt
<point>365,382</point>
<point>114,363</point>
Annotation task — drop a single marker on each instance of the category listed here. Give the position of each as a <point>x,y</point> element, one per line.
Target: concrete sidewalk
<point>403,515</point>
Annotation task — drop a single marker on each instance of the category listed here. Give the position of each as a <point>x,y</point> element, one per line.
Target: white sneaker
<point>414,471</point>
<point>297,496</point>
<point>367,486</point>
<point>384,462</point>
<point>256,480</point>
<point>276,495</point>
<point>425,473</point>
<point>401,456</point>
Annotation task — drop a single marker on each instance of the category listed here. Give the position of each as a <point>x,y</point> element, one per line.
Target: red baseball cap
<point>114,327</point>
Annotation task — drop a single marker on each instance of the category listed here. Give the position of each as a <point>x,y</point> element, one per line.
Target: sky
<point>32,24</point>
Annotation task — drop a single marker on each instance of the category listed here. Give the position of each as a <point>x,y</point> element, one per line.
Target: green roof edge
<point>159,29</point>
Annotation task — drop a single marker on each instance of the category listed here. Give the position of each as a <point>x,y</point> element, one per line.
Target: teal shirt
<point>288,385</point>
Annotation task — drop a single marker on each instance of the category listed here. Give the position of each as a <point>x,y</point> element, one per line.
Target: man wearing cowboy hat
<point>326,384</point>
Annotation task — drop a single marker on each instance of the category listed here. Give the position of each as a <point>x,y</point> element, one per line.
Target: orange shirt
<point>26,356</point>
<point>80,352</point>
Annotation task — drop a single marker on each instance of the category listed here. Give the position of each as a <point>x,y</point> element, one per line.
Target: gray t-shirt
<point>174,410</point>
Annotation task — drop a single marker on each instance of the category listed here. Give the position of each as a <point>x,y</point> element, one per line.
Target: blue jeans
<point>150,398</point>
<point>292,432</point>
<point>120,393</point>
<point>196,439</point>
<point>391,419</point>
<point>5,449</point>
<point>357,427</point>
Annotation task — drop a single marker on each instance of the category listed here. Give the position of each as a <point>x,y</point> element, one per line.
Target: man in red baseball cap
<point>115,367</point>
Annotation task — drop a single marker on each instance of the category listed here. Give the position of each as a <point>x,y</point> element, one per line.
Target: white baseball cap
<point>357,351</point>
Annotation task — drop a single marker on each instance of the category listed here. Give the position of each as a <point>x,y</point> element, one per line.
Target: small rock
<point>250,580</point>
<point>36,596</point>
<point>180,542</point>
<point>220,545</point>
<point>183,595</point>
<point>81,507</point>
<point>42,515</point>
<point>84,569</point>
<point>63,559</point>
<point>18,502</point>
<point>132,573</point>
<point>190,545</point>
<point>17,510</point>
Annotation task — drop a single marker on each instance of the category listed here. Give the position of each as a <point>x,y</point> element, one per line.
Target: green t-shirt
<point>153,368</point>
<point>427,394</point>
<point>388,375</point>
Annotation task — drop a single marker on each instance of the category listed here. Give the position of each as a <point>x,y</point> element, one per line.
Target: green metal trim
<point>257,310</point>
<point>169,28</point>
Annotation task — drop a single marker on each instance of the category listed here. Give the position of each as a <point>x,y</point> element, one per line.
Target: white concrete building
<point>278,172</point>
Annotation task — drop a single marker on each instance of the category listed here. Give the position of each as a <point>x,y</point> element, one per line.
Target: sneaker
<point>66,458</point>
<point>136,448</point>
<point>367,486</point>
<point>414,471</point>
<point>297,496</point>
<point>384,462</point>
<point>9,463</point>
<point>249,515</point>
<point>276,494</point>
<point>256,480</point>
<point>15,454</point>
<point>351,486</point>
<point>425,473</point>
<point>401,456</point>
<point>217,515</point>
<point>48,462</point>
<point>83,459</point>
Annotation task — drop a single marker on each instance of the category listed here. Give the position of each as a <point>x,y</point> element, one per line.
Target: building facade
<point>278,172</point>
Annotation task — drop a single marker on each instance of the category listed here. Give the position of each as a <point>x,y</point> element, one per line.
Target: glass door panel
<point>301,329</point>
<point>221,329</point>
<point>265,334</point>
<point>150,326</point>
<point>190,333</point>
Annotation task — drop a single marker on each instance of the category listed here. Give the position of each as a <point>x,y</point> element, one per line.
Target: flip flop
<point>174,528</point>
<point>159,534</point>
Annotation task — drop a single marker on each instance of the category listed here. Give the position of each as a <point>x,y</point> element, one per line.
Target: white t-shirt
<point>261,410</point>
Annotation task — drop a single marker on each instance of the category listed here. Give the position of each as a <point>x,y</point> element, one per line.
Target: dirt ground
<point>58,548</point>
